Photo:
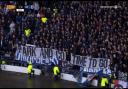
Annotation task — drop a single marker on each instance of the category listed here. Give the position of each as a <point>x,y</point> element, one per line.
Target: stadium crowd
<point>79,27</point>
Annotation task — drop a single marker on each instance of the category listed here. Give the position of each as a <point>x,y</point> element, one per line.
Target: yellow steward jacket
<point>104,81</point>
<point>30,67</point>
<point>27,32</point>
<point>56,70</point>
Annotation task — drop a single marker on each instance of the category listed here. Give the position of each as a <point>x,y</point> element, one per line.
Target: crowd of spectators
<point>79,27</point>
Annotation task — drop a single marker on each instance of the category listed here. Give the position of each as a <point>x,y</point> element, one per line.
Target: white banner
<point>39,55</point>
<point>92,65</point>
<point>89,62</point>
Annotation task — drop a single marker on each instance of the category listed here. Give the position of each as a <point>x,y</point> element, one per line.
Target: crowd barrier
<point>19,69</point>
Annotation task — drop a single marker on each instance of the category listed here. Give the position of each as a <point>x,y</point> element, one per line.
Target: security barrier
<point>19,69</point>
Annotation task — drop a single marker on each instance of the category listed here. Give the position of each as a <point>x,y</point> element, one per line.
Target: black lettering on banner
<point>42,53</point>
<point>101,64</point>
<point>90,62</point>
<point>46,52</point>
<point>28,50</point>
<point>84,61</point>
<point>24,50</point>
<point>61,55</point>
<point>81,62</point>
<point>78,60</point>
<point>49,59</point>
<point>57,54</point>
<point>33,51</point>
<point>94,63</point>
<point>51,53</point>
<point>73,59</point>
<point>105,63</point>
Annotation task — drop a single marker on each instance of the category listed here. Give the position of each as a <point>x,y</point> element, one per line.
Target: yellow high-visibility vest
<point>56,70</point>
<point>30,67</point>
<point>44,19</point>
<point>103,82</point>
<point>27,32</point>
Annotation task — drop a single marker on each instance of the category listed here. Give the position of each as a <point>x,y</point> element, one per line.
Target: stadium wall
<point>18,69</point>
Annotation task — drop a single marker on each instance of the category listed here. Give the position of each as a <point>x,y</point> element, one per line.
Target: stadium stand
<point>78,27</point>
